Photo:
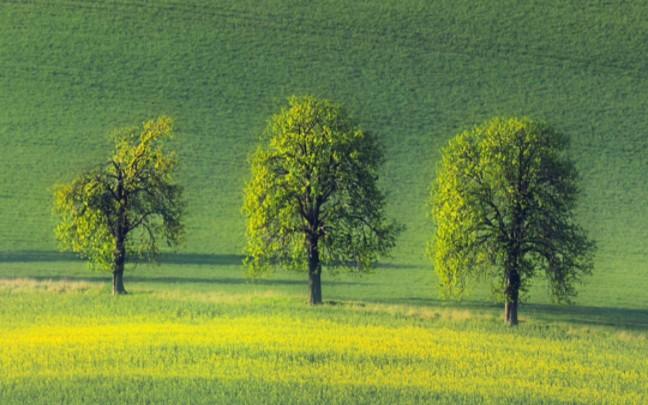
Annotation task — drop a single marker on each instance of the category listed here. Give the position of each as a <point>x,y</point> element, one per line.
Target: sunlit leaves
<point>315,175</point>
<point>132,195</point>
<point>505,196</point>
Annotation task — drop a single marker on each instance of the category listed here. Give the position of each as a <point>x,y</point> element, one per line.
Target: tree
<point>313,197</point>
<point>503,204</point>
<point>121,207</point>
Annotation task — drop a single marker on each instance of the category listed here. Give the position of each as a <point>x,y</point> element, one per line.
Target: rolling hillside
<point>414,72</point>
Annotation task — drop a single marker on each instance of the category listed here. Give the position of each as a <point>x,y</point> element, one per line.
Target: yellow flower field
<point>302,349</point>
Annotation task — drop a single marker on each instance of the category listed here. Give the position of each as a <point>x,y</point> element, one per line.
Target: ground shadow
<point>631,319</point>
<point>32,256</point>
<point>398,266</point>
<point>625,318</point>
<point>204,259</point>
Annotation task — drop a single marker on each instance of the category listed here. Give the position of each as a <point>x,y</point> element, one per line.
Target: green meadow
<point>413,72</point>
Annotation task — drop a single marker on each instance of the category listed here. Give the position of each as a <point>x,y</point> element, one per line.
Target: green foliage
<point>504,201</point>
<point>316,178</point>
<point>131,197</point>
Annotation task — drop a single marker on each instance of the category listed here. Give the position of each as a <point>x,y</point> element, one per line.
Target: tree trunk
<point>314,272</point>
<point>512,293</point>
<point>514,253</point>
<point>119,255</point>
<point>315,285</point>
<point>118,282</point>
<point>510,313</point>
<point>118,266</point>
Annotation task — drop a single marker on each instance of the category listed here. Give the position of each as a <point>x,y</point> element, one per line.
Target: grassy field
<point>197,331</point>
<point>415,73</point>
<point>70,342</point>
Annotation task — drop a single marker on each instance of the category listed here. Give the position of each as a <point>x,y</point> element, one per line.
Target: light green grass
<point>414,72</point>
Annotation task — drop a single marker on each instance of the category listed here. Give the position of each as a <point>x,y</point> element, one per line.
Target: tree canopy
<point>313,197</point>
<point>124,205</point>
<point>504,208</point>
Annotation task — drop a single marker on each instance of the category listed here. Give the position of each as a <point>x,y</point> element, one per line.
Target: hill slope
<point>415,73</point>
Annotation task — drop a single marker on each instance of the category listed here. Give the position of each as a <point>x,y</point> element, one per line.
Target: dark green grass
<point>414,72</point>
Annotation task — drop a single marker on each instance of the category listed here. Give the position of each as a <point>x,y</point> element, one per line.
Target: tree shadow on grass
<point>624,318</point>
<point>32,256</point>
<point>202,259</point>
<point>233,260</point>
<point>630,319</point>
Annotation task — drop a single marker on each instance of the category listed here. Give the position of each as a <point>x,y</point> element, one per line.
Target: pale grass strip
<point>57,286</point>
